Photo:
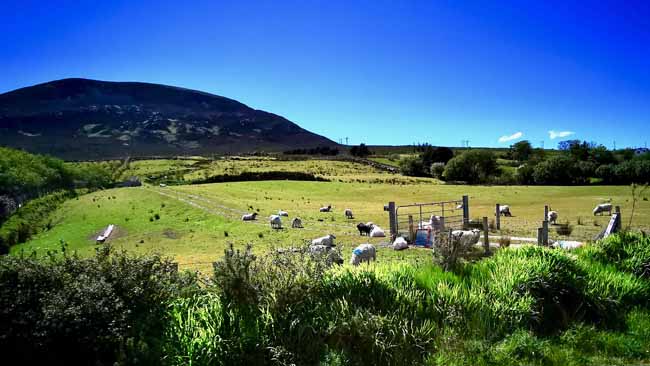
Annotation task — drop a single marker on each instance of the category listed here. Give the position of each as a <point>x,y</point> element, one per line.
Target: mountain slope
<point>91,119</point>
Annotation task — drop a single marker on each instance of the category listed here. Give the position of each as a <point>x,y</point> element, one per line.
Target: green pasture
<point>196,222</point>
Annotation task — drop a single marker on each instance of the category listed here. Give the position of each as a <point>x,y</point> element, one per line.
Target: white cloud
<point>555,134</point>
<point>514,136</point>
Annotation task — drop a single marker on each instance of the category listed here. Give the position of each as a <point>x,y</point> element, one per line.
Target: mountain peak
<point>78,118</point>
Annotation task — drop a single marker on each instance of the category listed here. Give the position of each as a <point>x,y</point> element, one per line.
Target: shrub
<point>437,169</point>
<point>99,310</point>
<point>472,166</point>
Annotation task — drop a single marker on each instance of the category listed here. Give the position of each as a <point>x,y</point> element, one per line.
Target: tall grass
<point>530,305</point>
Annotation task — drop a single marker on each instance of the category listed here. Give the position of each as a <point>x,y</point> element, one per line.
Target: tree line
<point>574,163</point>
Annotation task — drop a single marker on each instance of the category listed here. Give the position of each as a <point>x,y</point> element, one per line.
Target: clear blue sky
<point>380,72</point>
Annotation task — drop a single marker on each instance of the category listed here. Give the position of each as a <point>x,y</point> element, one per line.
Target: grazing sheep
<point>504,211</point>
<point>603,207</point>
<point>466,238</point>
<point>328,208</point>
<point>296,223</point>
<point>348,213</point>
<point>377,232</point>
<point>370,223</point>
<point>364,229</point>
<point>250,216</point>
<point>283,213</point>
<point>459,206</point>
<point>364,252</point>
<point>275,221</point>
<point>327,240</point>
<point>552,217</point>
<point>400,243</point>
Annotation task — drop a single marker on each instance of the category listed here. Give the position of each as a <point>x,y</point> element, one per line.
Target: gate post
<point>465,212</point>
<point>392,218</point>
<point>498,216</point>
<point>546,212</point>
<point>411,230</point>
<point>540,234</point>
<point>545,233</point>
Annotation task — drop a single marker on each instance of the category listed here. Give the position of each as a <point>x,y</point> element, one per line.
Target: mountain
<point>80,119</point>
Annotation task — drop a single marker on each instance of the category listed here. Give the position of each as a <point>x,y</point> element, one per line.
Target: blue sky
<point>379,72</point>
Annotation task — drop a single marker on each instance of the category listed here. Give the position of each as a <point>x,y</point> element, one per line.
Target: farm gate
<point>409,220</point>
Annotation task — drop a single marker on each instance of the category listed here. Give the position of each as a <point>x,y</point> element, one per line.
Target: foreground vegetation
<point>530,305</point>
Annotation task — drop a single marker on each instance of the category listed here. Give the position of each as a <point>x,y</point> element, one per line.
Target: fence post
<point>411,230</point>
<point>392,217</point>
<point>486,238</point>
<point>545,233</point>
<point>619,219</point>
<point>498,216</point>
<point>465,212</point>
<point>545,212</point>
<point>540,234</point>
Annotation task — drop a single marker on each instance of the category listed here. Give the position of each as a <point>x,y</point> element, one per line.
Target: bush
<point>412,166</point>
<point>437,169</point>
<point>99,310</point>
<point>474,166</point>
<point>558,170</point>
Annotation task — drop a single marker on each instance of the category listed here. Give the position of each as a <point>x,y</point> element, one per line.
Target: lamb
<point>348,213</point>
<point>296,223</point>
<point>436,222</point>
<point>504,211</point>
<point>327,208</point>
<point>249,217</point>
<point>283,213</point>
<point>552,217</point>
<point>364,252</point>
<point>400,243</point>
<point>327,240</point>
<point>377,232</point>
<point>603,207</point>
<point>466,238</point>
<point>275,221</point>
<point>459,207</point>
<point>364,229</point>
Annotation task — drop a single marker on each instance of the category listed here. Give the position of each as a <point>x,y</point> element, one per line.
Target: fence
<point>406,220</point>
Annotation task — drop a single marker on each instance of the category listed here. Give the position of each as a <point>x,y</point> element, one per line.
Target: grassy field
<point>196,222</point>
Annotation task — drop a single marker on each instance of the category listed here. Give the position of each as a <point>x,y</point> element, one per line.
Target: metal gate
<point>406,220</point>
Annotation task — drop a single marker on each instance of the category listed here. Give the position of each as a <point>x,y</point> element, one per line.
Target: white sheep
<point>504,211</point>
<point>459,207</point>
<point>603,207</point>
<point>466,238</point>
<point>249,217</point>
<point>327,240</point>
<point>377,232</point>
<point>327,208</point>
<point>436,222</point>
<point>552,217</point>
<point>283,213</point>
<point>400,243</point>
<point>364,252</point>
<point>275,221</point>
<point>296,223</point>
<point>348,213</point>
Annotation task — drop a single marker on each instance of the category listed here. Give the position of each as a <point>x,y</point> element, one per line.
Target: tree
<point>438,154</point>
<point>472,166</point>
<point>437,169</point>
<point>522,150</point>
<point>360,151</point>
<point>412,166</point>
<point>560,170</point>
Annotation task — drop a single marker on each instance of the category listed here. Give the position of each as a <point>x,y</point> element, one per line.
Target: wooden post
<point>545,233</point>
<point>619,220</point>
<point>546,212</point>
<point>442,223</point>
<point>498,216</point>
<point>465,212</point>
<point>411,230</point>
<point>392,217</point>
<point>486,239</point>
<point>540,234</point>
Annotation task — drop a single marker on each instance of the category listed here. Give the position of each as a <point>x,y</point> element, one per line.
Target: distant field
<point>343,171</point>
<point>197,222</point>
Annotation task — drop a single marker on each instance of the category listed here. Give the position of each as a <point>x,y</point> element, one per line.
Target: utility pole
<point>346,141</point>
<point>614,145</point>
